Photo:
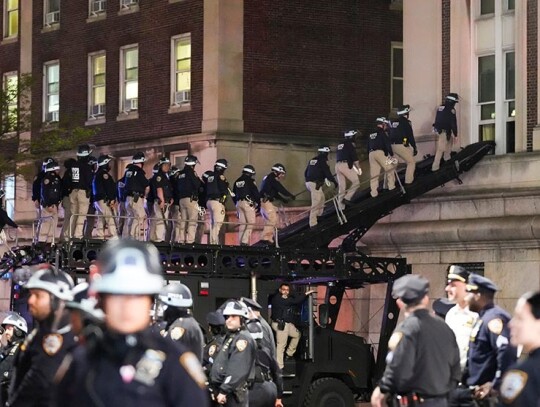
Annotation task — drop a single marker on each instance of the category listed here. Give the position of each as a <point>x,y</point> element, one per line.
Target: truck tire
<point>329,392</point>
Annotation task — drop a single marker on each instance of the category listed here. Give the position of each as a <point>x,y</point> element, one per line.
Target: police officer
<point>217,189</point>
<point>271,189</point>
<point>136,188</point>
<point>181,326</point>
<point>45,347</point>
<point>201,225</point>
<point>402,137</point>
<point>423,358</point>
<point>247,200</point>
<point>490,353</point>
<point>36,187</point>
<point>521,383</point>
<point>188,185</point>
<point>347,167</point>
<point>104,193</point>
<point>446,126</point>
<point>235,361</point>
<point>150,200</point>
<point>318,173</point>
<point>460,318</point>
<point>51,196</point>
<point>164,198</point>
<point>255,314</point>
<point>130,364</point>
<point>121,199</point>
<point>83,311</point>
<point>66,204</point>
<point>15,330</point>
<point>175,215</point>
<point>284,318</point>
<point>216,330</point>
<point>5,220</point>
<point>267,386</point>
<point>380,156</point>
<point>91,212</point>
<point>81,187</point>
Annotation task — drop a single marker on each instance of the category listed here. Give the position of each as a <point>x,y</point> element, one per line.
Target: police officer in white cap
<point>181,326</point>
<point>347,167</point>
<point>15,330</point>
<point>381,157</point>
<point>130,364</point>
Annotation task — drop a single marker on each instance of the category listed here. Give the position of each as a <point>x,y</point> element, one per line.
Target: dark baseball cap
<point>410,288</point>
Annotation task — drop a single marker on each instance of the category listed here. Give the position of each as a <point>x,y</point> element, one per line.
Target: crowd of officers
<point>470,354</point>
<point>176,201</point>
<point>173,201</point>
<point>125,338</point>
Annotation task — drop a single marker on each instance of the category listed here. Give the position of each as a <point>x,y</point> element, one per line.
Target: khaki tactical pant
<point>317,202</point>
<point>406,154</point>
<point>161,222</point>
<point>377,160</point>
<point>281,341</point>
<point>48,222</point>
<point>344,173</point>
<point>270,216</point>
<point>190,214</point>
<point>246,215</point>
<point>64,232</point>
<point>105,218</point>
<point>135,224</point>
<point>444,147</point>
<point>217,215</point>
<point>79,208</point>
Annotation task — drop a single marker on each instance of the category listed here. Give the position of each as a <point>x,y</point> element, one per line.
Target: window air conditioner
<point>98,110</point>
<point>53,116</point>
<point>98,6</point>
<point>131,104</point>
<point>182,97</point>
<point>129,3</point>
<point>52,18</point>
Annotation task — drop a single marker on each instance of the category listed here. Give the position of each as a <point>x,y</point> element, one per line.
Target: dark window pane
<point>511,5</point>
<point>487,112</point>
<point>397,93</point>
<point>510,137</point>
<point>510,75</point>
<point>486,78</point>
<point>487,6</point>
<point>398,63</point>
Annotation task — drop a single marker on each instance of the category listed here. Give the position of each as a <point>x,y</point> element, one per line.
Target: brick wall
<point>445,46</point>
<point>9,50</point>
<point>317,67</point>
<point>152,28</point>
<point>532,70</point>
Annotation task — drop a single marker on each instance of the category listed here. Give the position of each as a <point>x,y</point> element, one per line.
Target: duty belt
<point>343,161</point>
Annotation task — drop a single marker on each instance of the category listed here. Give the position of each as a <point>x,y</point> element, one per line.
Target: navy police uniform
<point>161,209</point>
<point>247,200</point>
<point>142,369</point>
<point>267,383</point>
<point>446,127</point>
<point>188,185</point>
<point>51,196</point>
<point>104,193</point>
<point>402,138</point>
<point>316,172</point>
<point>379,149</point>
<point>135,188</point>
<point>271,189</point>
<point>216,323</point>
<point>347,167</point>
<point>520,385</point>
<point>233,367</point>
<point>186,330</point>
<point>423,358</point>
<point>216,195</point>
<point>81,187</point>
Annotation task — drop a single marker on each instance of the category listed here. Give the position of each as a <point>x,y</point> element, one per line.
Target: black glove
<point>293,197</point>
<point>285,201</point>
<point>415,152</point>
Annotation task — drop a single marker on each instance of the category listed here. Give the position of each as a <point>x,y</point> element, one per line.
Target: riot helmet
<point>190,160</point>
<point>56,282</point>
<point>221,164</point>
<point>404,110</point>
<point>84,150</point>
<point>138,158</point>
<point>163,161</point>
<point>176,295</point>
<point>129,267</point>
<point>248,169</point>
<point>82,302</point>
<point>174,170</point>
<point>236,308</point>
<point>104,160</point>
<point>350,133</point>
<point>279,168</point>
<point>92,160</point>
<point>255,329</point>
<point>46,161</point>
<point>452,97</point>
<point>16,320</point>
<point>52,166</point>
<point>323,149</point>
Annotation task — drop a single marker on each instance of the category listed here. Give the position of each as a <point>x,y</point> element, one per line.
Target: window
<point>487,7</point>
<point>510,100</point>
<point>181,69</point>
<point>9,198</point>
<point>97,7</point>
<point>52,12</point>
<point>397,76</point>
<point>127,4</point>
<point>96,82</point>
<point>10,103</point>
<point>51,102</point>
<point>11,18</point>
<point>129,78</point>
<point>486,96</point>
<point>510,5</point>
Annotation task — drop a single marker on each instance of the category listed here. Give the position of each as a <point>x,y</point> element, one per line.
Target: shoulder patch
<point>495,326</point>
<point>177,333</point>
<point>222,177</point>
<point>513,383</point>
<point>212,350</point>
<point>453,111</point>
<point>163,333</point>
<point>191,364</point>
<point>241,345</point>
<point>52,343</point>
<point>394,340</point>
<point>158,178</point>
<point>46,181</point>
<point>105,176</point>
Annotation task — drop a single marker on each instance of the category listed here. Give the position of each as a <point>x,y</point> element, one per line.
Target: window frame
<point>124,81</point>
<point>7,20</point>
<point>46,94</point>
<point>174,71</point>
<point>47,14</point>
<point>92,86</point>
<point>395,45</point>
<point>92,13</point>
<point>15,106</point>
